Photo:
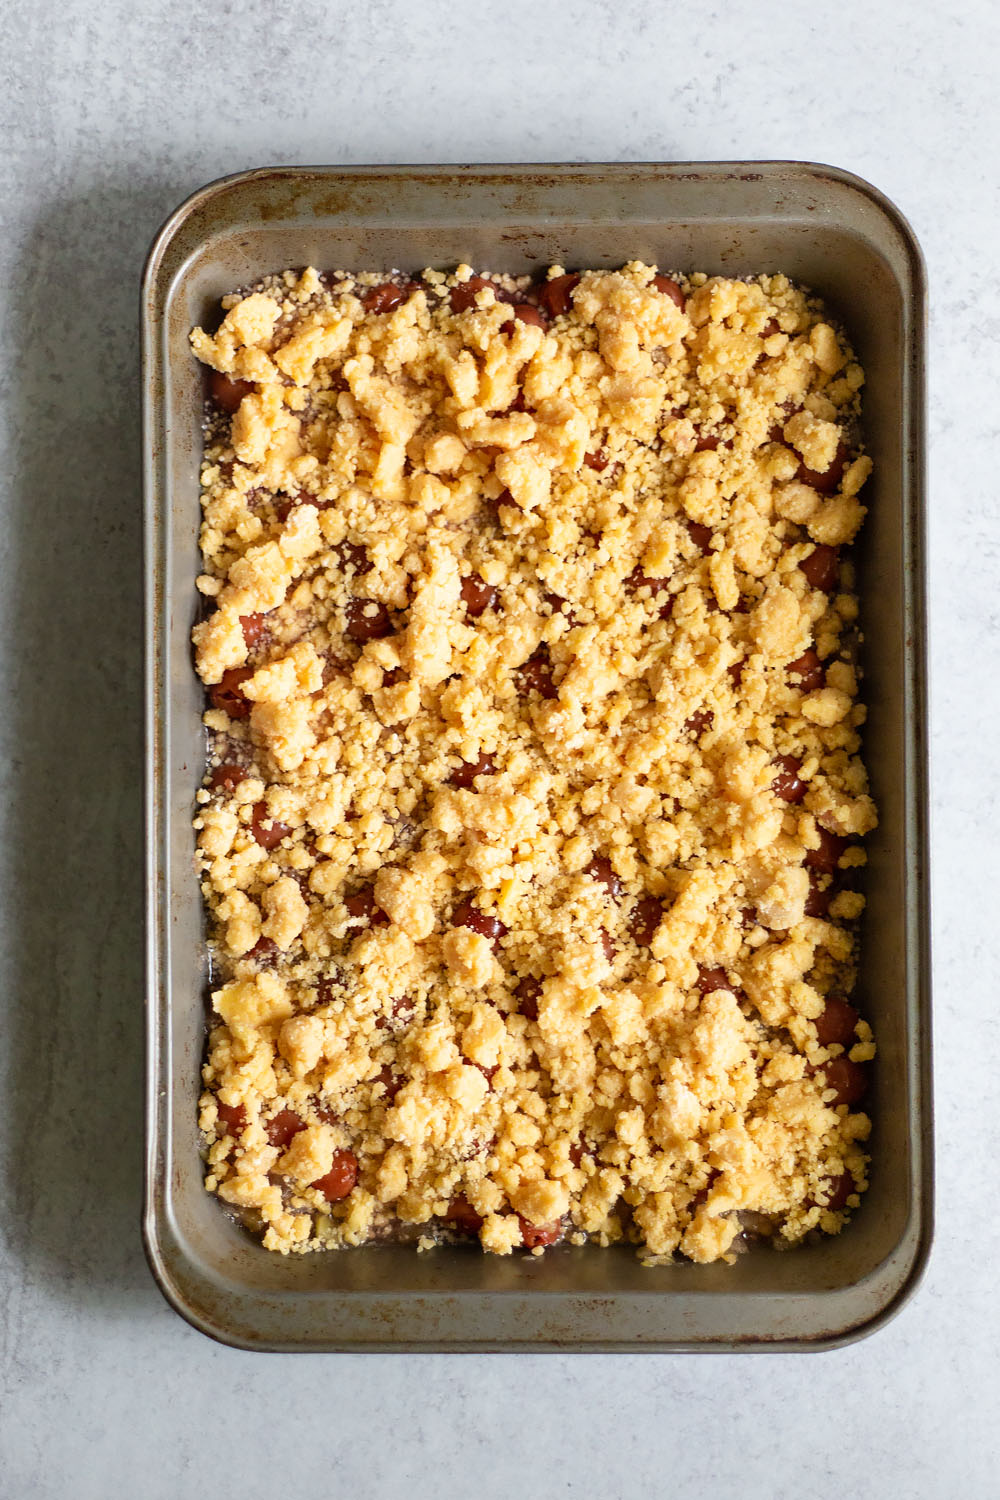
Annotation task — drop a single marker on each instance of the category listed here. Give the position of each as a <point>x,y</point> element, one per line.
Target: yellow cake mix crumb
<point>530,830</point>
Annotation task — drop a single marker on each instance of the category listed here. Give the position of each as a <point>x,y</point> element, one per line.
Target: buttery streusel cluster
<point>534,789</point>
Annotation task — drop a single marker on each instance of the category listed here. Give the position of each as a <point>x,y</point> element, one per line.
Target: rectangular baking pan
<point>820,226</point>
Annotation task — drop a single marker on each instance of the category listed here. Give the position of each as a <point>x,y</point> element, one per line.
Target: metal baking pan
<point>822,227</point>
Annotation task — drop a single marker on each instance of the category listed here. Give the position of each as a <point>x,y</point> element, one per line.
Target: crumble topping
<point>531,818</point>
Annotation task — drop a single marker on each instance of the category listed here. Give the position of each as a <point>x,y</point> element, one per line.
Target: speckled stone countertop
<point>112,114</point>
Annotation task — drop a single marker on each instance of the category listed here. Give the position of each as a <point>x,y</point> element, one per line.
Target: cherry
<point>341,1178</point>
<point>701,536</point>
<point>556,296</point>
<point>368,620</point>
<point>713,979</point>
<point>836,1023</point>
<point>669,288</point>
<point>528,992</point>
<point>602,870</point>
<point>645,919</point>
<point>227,777</point>
<point>848,1079</point>
<point>387,296</point>
<point>461,1215</point>
<point>787,784</point>
<point>227,392</point>
<point>826,858</point>
<point>539,1234</point>
<point>254,626</point>
<point>535,674</point>
<point>807,672</point>
<point>362,907</point>
<point>233,1117</point>
<point>283,1128</point>
<point>466,772</point>
<point>227,694</point>
<point>478,596</point>
<point>267,830</point>
<point>467,914</point>
<point>822,567</point>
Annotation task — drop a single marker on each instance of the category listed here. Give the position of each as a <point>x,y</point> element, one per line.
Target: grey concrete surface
<point>111,114</point>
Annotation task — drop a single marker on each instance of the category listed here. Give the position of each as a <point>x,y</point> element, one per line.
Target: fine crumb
<point>530,830</point>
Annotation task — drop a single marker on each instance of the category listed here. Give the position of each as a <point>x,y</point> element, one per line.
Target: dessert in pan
<point>530,831</point>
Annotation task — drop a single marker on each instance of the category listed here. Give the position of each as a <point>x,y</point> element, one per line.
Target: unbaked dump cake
<point>530,831</point>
